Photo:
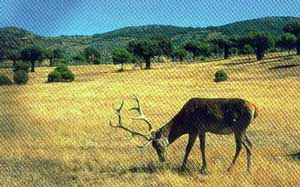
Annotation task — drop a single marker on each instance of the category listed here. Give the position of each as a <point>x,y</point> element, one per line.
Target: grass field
<point>58,134</point>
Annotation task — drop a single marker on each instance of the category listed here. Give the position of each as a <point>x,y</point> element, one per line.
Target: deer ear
<point>165,142</point>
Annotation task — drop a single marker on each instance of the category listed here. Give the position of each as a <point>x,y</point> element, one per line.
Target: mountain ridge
<point>13,38</point>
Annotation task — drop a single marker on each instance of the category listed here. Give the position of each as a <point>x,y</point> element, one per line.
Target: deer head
<point>158,141</point>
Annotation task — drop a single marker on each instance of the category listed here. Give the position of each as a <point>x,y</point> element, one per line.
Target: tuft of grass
<point>295,156</point>
<point>220,76</point>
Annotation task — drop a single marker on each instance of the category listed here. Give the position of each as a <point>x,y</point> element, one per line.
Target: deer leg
<point>203,169</point>
<point>192,138</point>
<point>248,141</point>
<point>248,145</point>
<point>238,142</point>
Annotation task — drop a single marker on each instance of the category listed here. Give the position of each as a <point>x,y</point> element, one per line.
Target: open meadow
<point>58,135</point>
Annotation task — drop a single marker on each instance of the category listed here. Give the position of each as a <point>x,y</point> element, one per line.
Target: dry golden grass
<point>58,134</point>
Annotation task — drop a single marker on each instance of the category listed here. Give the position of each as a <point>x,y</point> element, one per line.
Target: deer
<point>220,116</point>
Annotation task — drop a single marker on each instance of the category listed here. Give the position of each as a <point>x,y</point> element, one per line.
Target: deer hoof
<point>184,169</point>
<point>229,169</point>
<point>203,171</point>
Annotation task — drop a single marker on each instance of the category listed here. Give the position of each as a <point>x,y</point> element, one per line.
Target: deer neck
<point>172,131</point>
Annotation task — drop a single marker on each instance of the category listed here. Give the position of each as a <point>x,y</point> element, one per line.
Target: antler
<point>121,126</point>
<point>142,115</point>
<point>145,145</point>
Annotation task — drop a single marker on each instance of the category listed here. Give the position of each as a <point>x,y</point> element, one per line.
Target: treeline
<point>258,43</point>
<point>37,55</point>
<point>145,50</point>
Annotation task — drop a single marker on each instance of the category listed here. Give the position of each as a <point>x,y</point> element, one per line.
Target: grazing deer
<point>197,117</point>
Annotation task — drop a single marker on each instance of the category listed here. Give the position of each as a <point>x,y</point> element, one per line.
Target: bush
<point>220,75</point>
<point>61,68</point>
<point>67,76</point>
<point>4,80</point>
<point>54,76</point>
<point>21,77</point>
<point>61,74</point>
<point>22,66</point>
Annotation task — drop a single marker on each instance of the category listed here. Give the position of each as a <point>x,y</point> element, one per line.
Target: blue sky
<point>86,17</point>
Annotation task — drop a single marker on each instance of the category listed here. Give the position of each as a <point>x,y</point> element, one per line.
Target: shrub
<point>220,75</point>
<point>21,77</point>
<point>54,76</point>
<point>22,66</point>
<point>60,74</point>
<point>61,68</point>
<point>4,80</point>
<point>67,76</point>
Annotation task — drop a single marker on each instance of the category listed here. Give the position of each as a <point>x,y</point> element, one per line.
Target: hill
<point>13,38</point>
<point>16,38</point>
<point>273,25</point>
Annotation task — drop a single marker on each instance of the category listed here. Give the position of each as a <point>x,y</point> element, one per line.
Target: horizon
<point>144,26</point>
<point>76,17</point>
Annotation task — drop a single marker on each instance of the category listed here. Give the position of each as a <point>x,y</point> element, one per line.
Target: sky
<point>87,17</point>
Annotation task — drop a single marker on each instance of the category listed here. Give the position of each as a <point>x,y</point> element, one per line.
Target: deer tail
<point>253,109</point>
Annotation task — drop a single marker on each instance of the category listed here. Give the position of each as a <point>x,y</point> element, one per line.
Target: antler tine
<point>145,145</point>
<point>121,126</point>
<point>142,115</point>
<point>120,108</point>
<point>133,133</point>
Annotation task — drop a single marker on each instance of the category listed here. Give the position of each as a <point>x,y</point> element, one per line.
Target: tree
<point>293,27</point>
<point>298,45</point>
<point>48,54</point>
<point>223,43</point>
<point>13,55</point>
<point>145,49</point>
<point>31,54</point>
<point>198,49</point>
<point>261,42</point>
<point>287,41</point>
<point>165,46</point>
<point>121,56</point>
<point>57,54</point>
<point>241,42</point>
<point>1,57</point>
<point>216,50</point>
<point>203,50</point>
<point>78,58</point>
<point>91,54</point>
<point>179,54</point>
<point>192,47</point>
<point>248,50</point>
